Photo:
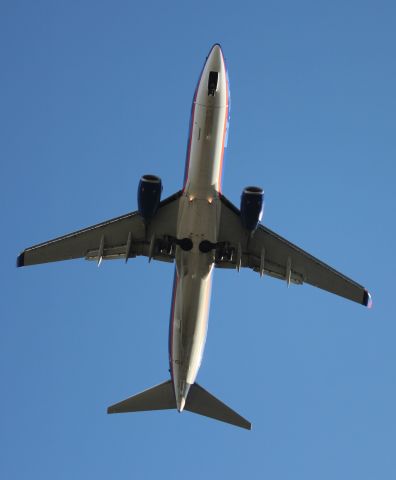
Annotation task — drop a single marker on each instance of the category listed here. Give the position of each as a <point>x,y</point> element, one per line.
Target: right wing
<point>122,237</point>
<point>265,251</point>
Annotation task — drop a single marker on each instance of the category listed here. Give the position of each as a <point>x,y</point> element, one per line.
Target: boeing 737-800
<point>198,229</point>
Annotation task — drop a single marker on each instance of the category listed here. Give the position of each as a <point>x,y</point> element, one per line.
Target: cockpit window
<point>212,83</point>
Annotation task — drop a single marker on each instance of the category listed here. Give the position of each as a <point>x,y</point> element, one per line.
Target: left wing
<point>267,252</point>
<point>122,237</point>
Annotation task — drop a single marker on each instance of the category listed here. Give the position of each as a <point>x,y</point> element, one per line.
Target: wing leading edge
<point>125,237</point>
<point>267,252</point>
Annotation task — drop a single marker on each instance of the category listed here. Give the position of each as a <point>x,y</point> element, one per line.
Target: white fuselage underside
<point>198,220</point>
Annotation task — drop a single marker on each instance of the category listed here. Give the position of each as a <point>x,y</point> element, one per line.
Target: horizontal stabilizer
<point>160,397</point>
<point>202,402</point>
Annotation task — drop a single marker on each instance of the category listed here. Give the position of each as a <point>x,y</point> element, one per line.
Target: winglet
<point>367,300</point>
<point>21,260</point>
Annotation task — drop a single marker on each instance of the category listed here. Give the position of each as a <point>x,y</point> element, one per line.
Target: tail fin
<point>162,397</point>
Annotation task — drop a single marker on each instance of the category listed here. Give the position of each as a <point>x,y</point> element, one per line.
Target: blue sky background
<point>94,94</point>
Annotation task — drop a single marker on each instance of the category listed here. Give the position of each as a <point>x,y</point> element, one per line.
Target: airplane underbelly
<point>190,325</point>
<point>207,149</point>
<point>199,221</point>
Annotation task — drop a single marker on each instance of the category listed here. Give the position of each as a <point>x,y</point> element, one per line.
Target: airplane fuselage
<point>198,220</point>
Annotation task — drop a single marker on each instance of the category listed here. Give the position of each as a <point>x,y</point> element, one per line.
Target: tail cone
<point>182,403</point>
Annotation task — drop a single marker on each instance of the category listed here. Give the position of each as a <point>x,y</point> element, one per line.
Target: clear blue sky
<point>94,94</point>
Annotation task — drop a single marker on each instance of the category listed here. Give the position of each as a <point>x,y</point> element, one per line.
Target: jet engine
<point>149,196</point>
<point>252,206</point>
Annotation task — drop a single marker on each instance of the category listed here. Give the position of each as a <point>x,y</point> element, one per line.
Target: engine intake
<point>252,206</point>
<point>149,196</point>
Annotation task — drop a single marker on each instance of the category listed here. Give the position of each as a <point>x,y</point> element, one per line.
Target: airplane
<point>198,228</point>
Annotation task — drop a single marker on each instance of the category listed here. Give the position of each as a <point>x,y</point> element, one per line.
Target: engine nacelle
<point>149,196</point>
<point>252,206</point>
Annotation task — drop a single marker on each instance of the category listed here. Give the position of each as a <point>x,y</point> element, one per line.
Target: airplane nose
<point>215,57</point>
<point>216,48</point>
<point>212,88</point>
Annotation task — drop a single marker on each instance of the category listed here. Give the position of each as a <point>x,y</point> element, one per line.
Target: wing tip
<point>367,300</point>
<point>247,425</point>
<point>20,260</point>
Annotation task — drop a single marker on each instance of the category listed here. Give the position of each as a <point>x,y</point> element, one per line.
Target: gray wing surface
<point>122,237</point>
<point>268,253</point>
